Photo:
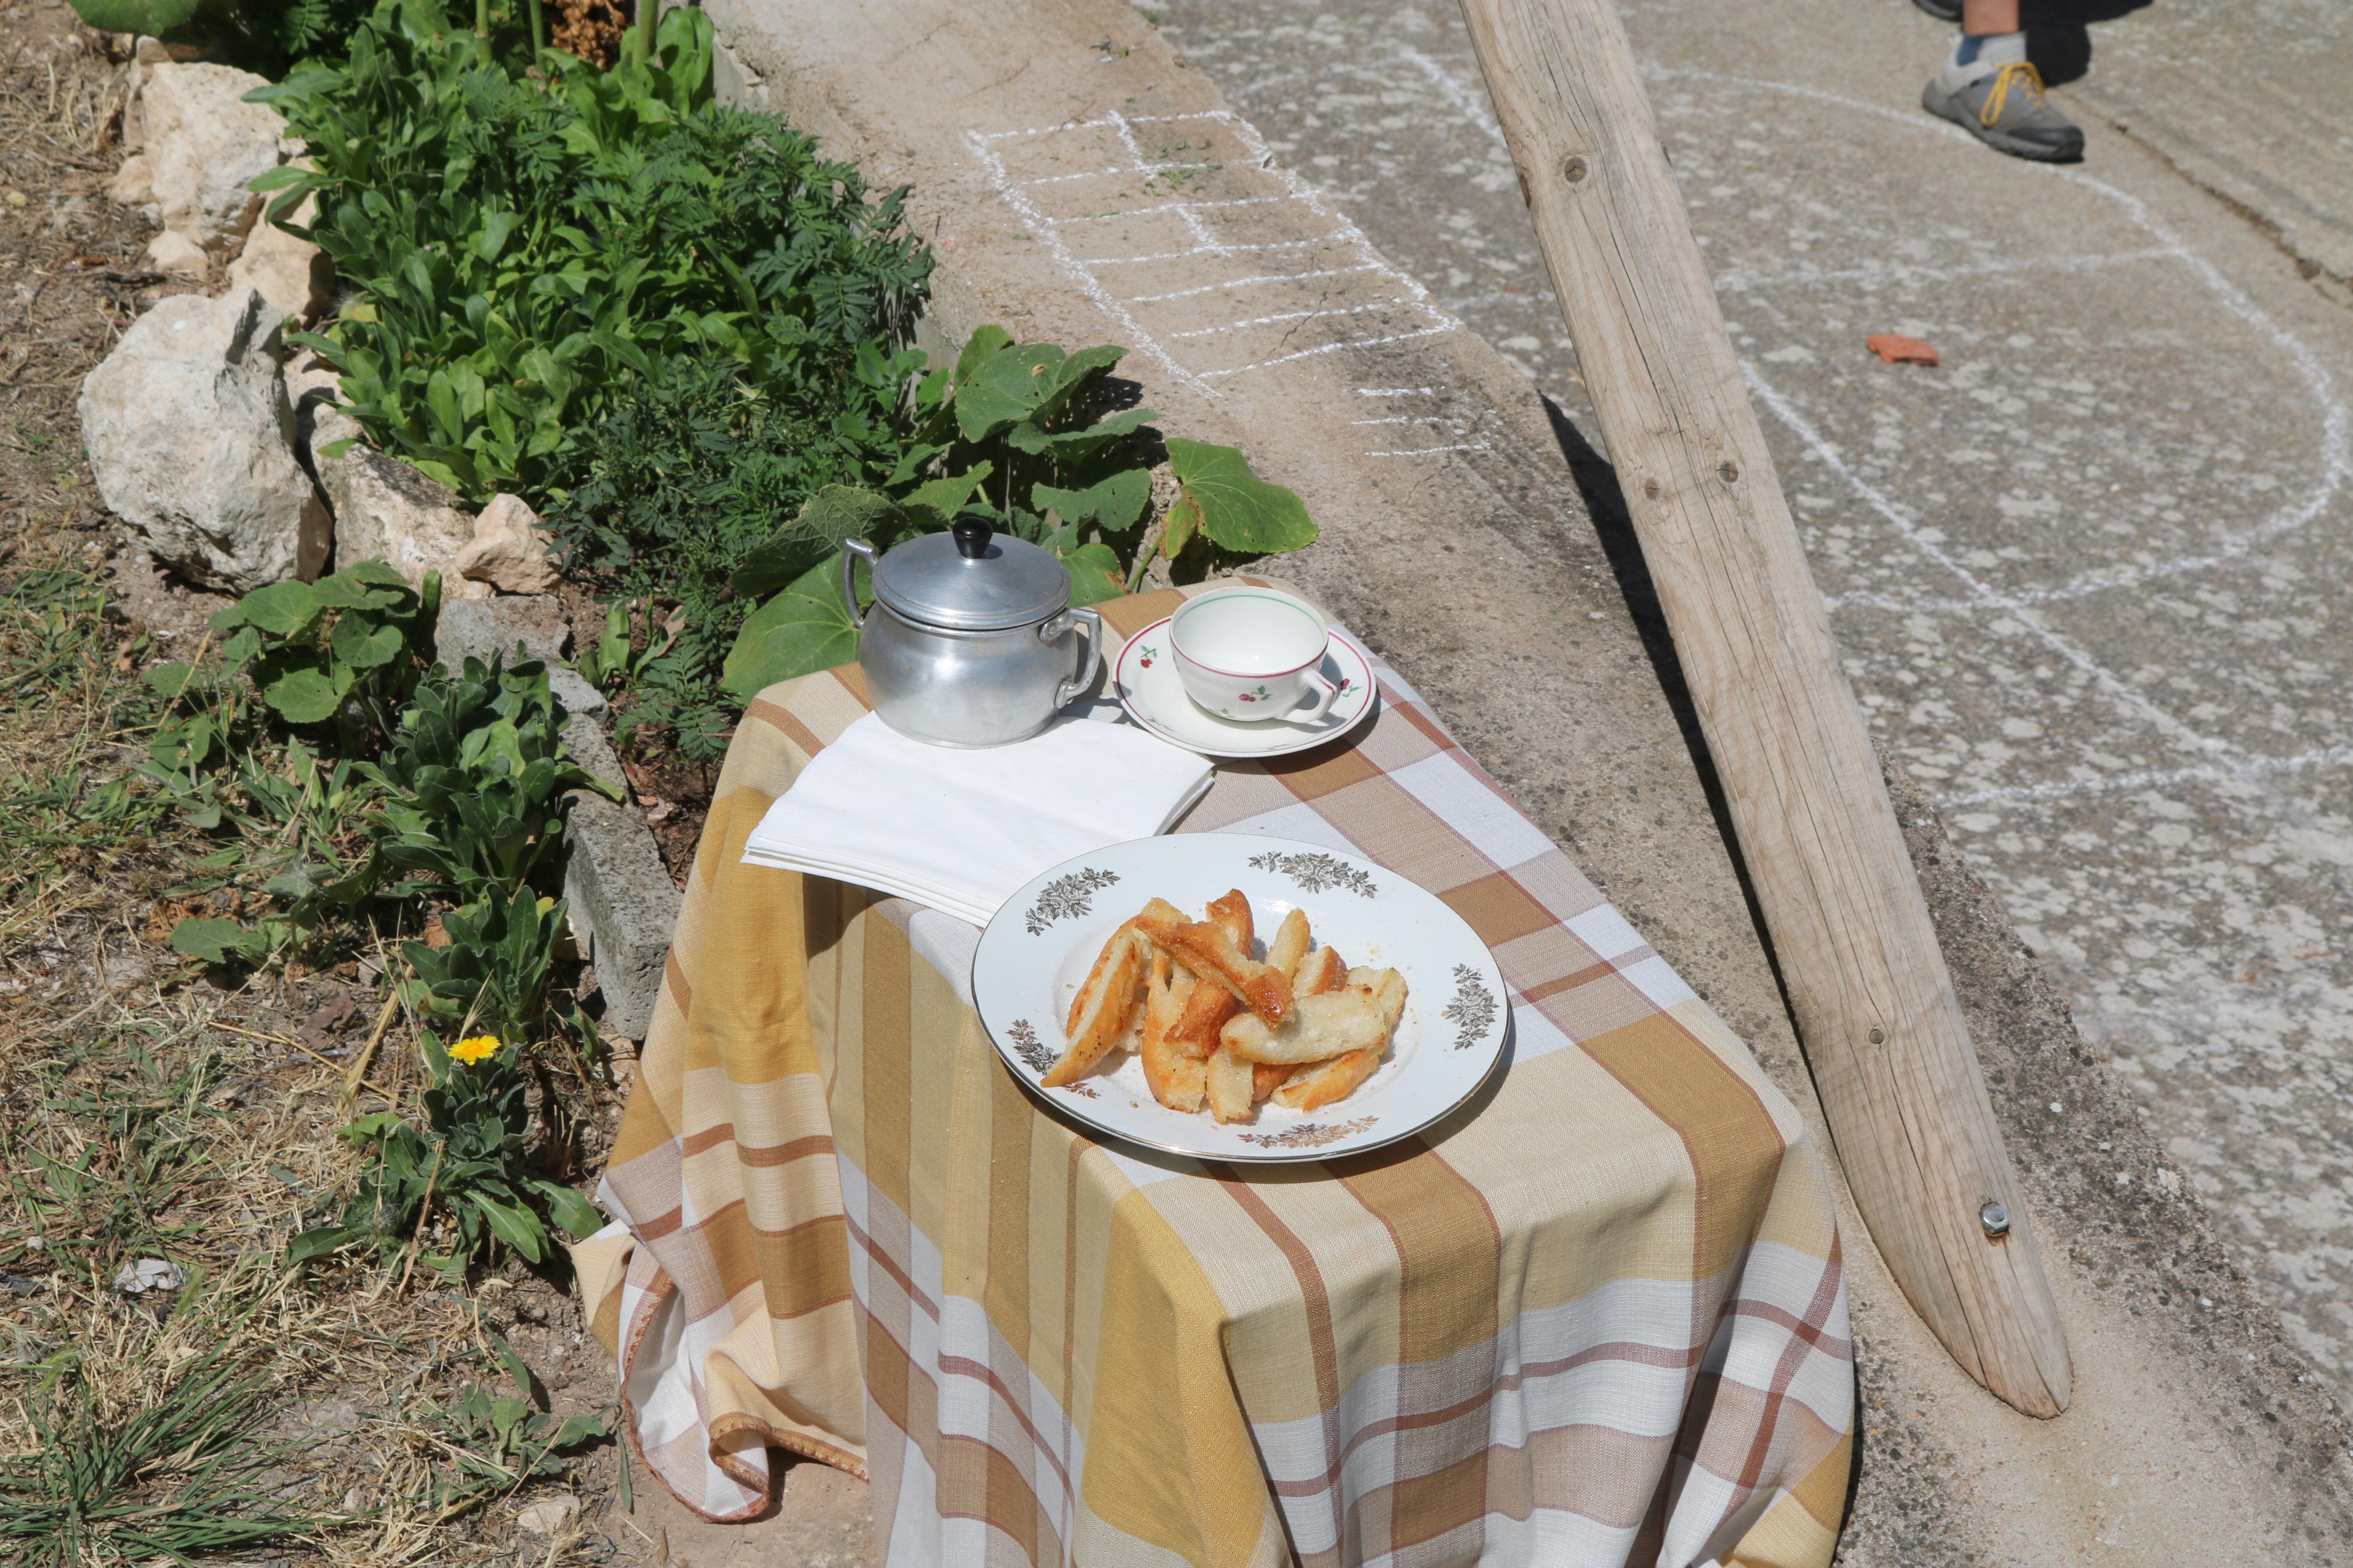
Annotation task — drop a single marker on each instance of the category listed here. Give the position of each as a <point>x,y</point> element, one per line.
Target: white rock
<point>133,184</point>
<point>387,511</point>
<point>147,1274</point>
<point>204,146</point>
<point>293,275</point>
<point>549,1516</point>
<point>191,438</point>
<point>177,255</point>
<point>507,551</point>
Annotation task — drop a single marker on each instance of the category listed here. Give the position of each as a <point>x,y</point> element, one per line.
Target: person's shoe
<point>1942,10</point>
<point>1997,96</point>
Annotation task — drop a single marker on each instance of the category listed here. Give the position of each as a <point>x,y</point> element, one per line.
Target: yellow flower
<point>479,1048</point>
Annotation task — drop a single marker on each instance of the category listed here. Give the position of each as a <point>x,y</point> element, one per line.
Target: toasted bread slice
<point>1228,1082</point>
<point>1231,914</point>
<point>1321,970</point>
<point>1388,989</point>
<point>1105,1006</point>
<point>1266,1078</point>
<point>1319,1026</point>
<point>1174,1075</point>
<point>1207,949</point>
<point>1318,1084</point>
<point>1207,1008</point>
<point>1292,939</point>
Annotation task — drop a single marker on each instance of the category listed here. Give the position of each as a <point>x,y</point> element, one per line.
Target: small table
<point>1601,1321</point>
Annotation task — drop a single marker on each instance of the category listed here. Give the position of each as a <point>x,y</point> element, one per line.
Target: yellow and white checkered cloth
<point>1602,1321</point>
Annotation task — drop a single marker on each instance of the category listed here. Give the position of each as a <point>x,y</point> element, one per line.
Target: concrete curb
<point>621,897</point>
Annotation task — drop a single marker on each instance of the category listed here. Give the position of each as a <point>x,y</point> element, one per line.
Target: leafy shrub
<point>345,648</point>
<point>680,484</point>
<point>473,779</point>
<point>1031,438</point>
<point>262,34</point>
<point>520,252</point>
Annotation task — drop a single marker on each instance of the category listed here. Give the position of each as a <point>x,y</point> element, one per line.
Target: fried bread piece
<point>1323,969</point>
<point>1174,1075</point>
<point>1318,1084</point>
<point>1228,1083</point>
<point>1231,914</point>
<point>1388,989</point>
<point>1266,1078</point>
<point>1105,1005</point>
<point>1318,1027</point>
<point>1289,944</point>
<point>1207,949</point>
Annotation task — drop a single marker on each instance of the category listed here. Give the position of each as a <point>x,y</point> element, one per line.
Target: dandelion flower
<point>479,1048</point>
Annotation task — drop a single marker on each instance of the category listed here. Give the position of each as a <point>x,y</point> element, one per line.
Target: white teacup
<point>1251,654</point>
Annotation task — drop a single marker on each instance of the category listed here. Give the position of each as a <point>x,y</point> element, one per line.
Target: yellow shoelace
<point>1999,95</point>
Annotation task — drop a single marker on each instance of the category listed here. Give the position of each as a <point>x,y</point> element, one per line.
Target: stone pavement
<point>2088,574</point>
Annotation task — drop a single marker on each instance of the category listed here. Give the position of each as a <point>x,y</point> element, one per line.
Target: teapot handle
<point>851,550</point>
<point>1089,663</point>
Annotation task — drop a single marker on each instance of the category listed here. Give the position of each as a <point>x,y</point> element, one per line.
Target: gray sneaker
<point>2003,107</point>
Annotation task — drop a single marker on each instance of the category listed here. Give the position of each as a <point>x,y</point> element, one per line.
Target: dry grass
<point>146,1112</point>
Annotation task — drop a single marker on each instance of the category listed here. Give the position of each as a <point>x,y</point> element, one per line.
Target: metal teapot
<point>970,640</point>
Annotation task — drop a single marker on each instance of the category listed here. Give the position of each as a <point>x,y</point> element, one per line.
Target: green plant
<point>346,650</point>
<point>473,780</point>
<point>491,974</point>
<point>521,253</point>
<point>500,1440</point>
<point>182,1477</point>
<point>1034,439</point>
<point>685,481</point>
<point>468,1164</point>
<point>264,34</point>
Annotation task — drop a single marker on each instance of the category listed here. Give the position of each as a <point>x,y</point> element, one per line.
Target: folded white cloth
<point>961,831</point>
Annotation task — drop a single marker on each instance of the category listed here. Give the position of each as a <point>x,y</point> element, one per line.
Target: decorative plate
<point>1147,683</point>
<point>1038,951</point>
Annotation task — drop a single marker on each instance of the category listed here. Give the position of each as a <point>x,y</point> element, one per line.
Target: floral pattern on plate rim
<point>1066,897</point>
<point>1316,873</point>
<point>1309,1135</point>
<point>1472,1011</point>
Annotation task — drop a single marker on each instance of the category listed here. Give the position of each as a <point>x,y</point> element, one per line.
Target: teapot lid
<point>971,579</point>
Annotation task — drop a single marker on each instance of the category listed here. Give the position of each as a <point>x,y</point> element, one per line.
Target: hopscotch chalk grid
<point>1182,228</point>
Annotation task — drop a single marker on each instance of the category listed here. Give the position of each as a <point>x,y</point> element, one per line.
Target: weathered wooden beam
<point>1874,1004</point>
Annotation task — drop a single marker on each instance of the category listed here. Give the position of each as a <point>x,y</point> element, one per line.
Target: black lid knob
<point>971,537</point>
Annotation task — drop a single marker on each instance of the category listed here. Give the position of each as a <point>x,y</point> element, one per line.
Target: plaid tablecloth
<point>1602,1321</point>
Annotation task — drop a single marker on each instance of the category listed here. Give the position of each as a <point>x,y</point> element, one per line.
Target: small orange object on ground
<point>1897,349</point>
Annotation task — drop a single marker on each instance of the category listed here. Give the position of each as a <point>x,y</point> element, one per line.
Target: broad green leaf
<point>515,1225</point>
<point>835,513</point>
<point>1006,389</point>
<point>304,696</point>
<point>1232,506</point>
<point>318,1242</point>
<point>1076,372</point>
<point>282,609</point>
<point>1095,572</point>
<point>575,1214</point>
<point>801,630</point>
<point>943,498</point>
<point>214,942</point>
<point>152,17</point>
<point>986,342</point>
<point>1114,504</point>
<point>1077,444</point>
<point>363,645</point>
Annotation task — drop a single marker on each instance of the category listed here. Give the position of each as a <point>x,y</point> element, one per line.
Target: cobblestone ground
<point>2088,574</point>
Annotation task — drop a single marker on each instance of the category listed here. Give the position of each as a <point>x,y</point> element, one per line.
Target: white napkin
<point>961,831</point>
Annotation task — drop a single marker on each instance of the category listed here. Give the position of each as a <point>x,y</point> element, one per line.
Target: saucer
<point>1147,685</point>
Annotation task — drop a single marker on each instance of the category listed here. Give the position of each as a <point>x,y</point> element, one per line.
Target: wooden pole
<point>1874,1004</point>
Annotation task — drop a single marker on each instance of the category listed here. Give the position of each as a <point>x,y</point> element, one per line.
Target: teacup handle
<point>1321,705</point>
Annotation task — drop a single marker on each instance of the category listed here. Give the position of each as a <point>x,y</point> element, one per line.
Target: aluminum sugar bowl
<point>970,640</point>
